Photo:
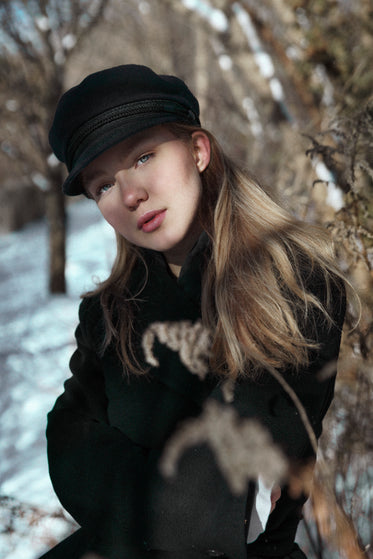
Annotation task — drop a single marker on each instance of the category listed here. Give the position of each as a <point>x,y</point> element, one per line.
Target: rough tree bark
<point>56,216</point>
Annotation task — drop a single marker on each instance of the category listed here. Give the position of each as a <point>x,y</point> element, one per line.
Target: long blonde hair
<point>255,296</point>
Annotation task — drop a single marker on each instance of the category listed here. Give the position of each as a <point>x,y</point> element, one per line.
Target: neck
<point>176,256</point>
<point>175,269</point>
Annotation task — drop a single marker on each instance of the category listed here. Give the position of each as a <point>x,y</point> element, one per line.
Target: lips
<point>150,221</point>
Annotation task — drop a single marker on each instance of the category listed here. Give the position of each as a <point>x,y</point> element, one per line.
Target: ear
<point>201,149</point>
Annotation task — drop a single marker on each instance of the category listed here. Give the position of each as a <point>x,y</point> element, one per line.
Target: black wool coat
<point>107,432</point>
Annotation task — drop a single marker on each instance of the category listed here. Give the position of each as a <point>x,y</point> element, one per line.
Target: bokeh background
<point>287,87</point>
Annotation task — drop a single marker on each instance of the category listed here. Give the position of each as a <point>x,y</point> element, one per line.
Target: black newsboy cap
<point>110,106</point>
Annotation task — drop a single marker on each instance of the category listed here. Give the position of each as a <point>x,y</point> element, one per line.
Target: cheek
<point>104,211</point>
<point>109,210</point>
<point>191,177</point>
<point>195,191</point>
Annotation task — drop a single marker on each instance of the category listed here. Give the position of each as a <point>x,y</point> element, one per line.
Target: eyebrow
<point>90,176</point>
<point>93,175</point>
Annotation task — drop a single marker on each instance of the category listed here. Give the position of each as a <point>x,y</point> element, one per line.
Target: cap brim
<point>106,137</point>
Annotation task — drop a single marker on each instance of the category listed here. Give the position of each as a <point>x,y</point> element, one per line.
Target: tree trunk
<point>201,68</point>
<point>56,216</point>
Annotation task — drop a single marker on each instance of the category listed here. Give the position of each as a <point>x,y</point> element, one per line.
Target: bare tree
<point>36,41</point>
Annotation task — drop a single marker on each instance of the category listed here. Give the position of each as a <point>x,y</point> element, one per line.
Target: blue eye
<point>143,159</point>
<point>104,188</point>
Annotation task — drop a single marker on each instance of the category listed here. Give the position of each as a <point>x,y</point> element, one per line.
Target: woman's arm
<point>314,387</point>
<point>95,469</point>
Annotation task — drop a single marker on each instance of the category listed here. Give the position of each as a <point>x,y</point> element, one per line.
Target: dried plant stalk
<point>243,448</point>
<point>192,341</point>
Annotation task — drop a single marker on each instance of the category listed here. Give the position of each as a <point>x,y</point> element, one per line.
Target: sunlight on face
<point>148,187</point>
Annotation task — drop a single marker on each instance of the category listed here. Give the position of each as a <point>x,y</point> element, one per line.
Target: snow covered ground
<point>36,342</point>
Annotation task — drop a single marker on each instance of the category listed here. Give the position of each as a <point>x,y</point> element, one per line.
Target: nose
<point>132,193</point>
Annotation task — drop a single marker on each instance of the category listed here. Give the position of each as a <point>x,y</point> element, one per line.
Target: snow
<point>52,160</point>
<point>334,195</point>
<point>262,59</point>
<point>36,342</point>
<point>144,8</point>
<point>225,62</point>
<point>215,17</point>
<point>276,89</point>
<point>43,23</point>
<point>40,181</point>
<point>69,41</point>
<point>252,116</point>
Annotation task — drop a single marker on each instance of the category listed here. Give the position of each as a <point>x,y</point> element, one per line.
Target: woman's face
<point>148,188</point>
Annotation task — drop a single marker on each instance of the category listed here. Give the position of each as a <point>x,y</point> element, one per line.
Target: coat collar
<point>192,270</point>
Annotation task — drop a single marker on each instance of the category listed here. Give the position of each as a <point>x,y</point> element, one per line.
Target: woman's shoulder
<point>323,320</point>
<point>324,282</point>
<point>90,306</point>
<point>91,316</point>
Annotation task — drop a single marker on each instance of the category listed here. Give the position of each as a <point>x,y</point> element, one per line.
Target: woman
<point>201,248</point>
